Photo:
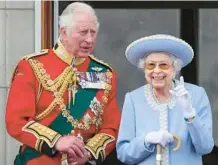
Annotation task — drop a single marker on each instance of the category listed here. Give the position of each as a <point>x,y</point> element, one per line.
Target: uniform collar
<point>65,56</point>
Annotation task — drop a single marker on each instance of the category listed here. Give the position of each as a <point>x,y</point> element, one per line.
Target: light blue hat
<point>159,43</point>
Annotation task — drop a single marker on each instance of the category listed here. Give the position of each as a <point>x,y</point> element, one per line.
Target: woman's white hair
<point>67,18</point>
<point>177,63</point>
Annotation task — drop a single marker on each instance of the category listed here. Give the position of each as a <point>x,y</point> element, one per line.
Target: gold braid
<point>62,82</point>
<point>44,78</point>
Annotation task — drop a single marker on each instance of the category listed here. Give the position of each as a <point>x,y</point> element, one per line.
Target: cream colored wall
<point>17,38</point>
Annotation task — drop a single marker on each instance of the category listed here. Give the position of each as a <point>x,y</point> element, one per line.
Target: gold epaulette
<point>100,61</point>
<point>27,57</point>
<point>42,52</point>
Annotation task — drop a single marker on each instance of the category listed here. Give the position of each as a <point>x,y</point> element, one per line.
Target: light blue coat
<point>139,118</point>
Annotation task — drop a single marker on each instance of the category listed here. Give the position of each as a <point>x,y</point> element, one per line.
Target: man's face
<point>81,38</point>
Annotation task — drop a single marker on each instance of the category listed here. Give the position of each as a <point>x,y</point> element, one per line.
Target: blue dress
<point>142,114</point>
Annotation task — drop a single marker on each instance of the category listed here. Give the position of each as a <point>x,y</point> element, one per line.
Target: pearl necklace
<point>163,117</point>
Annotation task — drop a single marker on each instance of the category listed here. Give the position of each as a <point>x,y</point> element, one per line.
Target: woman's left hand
<point>183,99</point>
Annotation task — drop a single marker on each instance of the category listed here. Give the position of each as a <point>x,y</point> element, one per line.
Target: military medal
<point>93,80</point>
<point>97,69</point>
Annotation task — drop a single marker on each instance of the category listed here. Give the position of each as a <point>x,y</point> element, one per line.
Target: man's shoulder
<point>24,61</point>
<point>35,54</point>
<point>101,62</point>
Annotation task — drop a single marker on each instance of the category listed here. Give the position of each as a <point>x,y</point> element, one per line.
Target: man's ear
<point>63,33</point>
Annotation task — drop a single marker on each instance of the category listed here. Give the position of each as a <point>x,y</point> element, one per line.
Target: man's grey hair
<point>177,63</point>
<point>67,18</point>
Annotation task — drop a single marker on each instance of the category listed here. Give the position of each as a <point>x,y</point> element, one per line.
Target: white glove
<point>161,137</point>
<point>183,99</point>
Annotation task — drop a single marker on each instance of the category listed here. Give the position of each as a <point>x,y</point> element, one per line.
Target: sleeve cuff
<point>96,146</point>
<point>191,114</point>
<point>94,161</point>
<point>47,150</point>
<point>149,147</point>
<point>46,137</point>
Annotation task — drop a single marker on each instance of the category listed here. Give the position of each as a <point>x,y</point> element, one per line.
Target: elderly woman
<point>166,121</point>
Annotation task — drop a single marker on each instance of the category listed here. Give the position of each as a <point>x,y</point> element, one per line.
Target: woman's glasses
<point>152,66</point>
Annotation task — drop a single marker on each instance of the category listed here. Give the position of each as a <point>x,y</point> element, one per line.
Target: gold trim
<point>100,61</point>
<point>65,56</point>
<point>69,59</point>
<point>42,52</point>
<point>44,78</point>
<point>38,145</point>
<point>27,57</point>
<point>62,82</point>
<point>98,143</point>
<point>103,154</point>
<point>40,89</point>
<point>42,132</point>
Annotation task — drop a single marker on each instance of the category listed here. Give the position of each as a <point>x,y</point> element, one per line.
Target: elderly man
<point>62,102</point>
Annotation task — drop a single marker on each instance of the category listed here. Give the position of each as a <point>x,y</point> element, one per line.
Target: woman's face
<point>159,70</point>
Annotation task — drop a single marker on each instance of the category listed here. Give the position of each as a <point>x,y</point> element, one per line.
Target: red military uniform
<point>49,98</point>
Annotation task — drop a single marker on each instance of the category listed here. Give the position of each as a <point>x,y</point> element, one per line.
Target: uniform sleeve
<point>21,110</point>
<point>200,128</point>
<point>104,141</point>
<point>131,149</point>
